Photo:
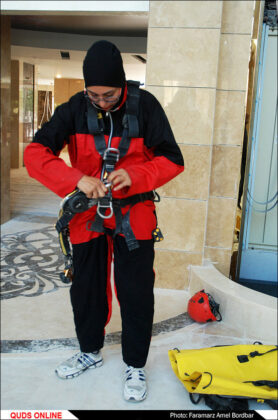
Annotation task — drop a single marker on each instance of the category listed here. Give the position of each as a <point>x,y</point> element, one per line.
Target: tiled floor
<point>38,332</point>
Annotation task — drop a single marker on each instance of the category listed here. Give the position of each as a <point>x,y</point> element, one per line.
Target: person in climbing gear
<point>121,148</point>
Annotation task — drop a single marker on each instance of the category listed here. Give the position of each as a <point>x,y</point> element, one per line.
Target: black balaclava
<point>103,66</point>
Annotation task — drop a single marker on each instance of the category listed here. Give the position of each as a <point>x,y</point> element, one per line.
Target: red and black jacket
<point>153,158</point>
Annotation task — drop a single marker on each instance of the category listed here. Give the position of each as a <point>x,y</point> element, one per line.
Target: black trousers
<point>134,281</point>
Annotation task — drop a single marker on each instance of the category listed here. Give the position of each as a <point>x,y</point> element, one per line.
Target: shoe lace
<point>75,357</point>
<point>82,358</point>
<point>135,374</point>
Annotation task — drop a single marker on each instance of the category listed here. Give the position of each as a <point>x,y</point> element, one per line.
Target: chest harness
<point>77,202</point>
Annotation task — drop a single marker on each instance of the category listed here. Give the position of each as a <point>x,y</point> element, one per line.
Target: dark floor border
<point>36,346</point>
<point>35,217</point>
<point>267,287</point>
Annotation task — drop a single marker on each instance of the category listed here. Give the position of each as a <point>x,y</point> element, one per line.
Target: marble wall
<point>197,67</point>
<point>65,88</point>
<point>5,117</point>
<point>14,114</point>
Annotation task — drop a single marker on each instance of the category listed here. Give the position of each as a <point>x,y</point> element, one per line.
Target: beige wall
<point>198,54</point>
<point>65,88</point>
<point>14,114</point>
<point>5,117</point>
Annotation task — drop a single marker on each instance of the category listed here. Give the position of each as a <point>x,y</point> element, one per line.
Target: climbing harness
<point>228,376</point>
<point>110,157</point>
<point>203,308</point>
<point>77,202</point>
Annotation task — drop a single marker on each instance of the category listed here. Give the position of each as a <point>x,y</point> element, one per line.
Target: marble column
<point>5,117</point>
<point>228,133</point>
<point>14,114</point>
<point>197,64</point>
<point>182,63</point>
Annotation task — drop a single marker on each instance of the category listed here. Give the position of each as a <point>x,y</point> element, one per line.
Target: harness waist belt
<point>133,199</point>
<point>122,222</point>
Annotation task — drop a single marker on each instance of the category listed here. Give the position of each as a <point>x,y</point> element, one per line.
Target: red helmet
<point>202,308</point>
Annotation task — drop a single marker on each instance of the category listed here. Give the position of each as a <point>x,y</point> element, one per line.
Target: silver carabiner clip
<point>99,206</point>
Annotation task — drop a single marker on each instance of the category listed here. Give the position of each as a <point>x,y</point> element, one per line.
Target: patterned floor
<point>30,265</point>
<point>30,262</point>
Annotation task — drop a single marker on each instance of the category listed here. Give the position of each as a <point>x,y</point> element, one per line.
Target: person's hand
<point>119,179</point>
<point>92,187</point>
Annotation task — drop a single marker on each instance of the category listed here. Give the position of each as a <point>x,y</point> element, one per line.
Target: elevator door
<point>259,248</point>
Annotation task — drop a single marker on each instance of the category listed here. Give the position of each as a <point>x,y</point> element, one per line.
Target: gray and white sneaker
<point>135,387</point>
<point>78,363</point>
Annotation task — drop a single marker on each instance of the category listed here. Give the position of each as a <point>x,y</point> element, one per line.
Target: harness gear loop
<point>73,203</point>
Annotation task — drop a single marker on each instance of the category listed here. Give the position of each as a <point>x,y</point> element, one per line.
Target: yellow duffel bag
<point>242,370</point>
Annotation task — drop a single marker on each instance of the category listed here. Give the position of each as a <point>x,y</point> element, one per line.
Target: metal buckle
<point>105,206</point>
<point>115,154</point>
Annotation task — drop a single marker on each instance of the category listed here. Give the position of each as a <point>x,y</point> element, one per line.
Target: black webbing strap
<point>134,199</point>
<point>243,358</point>
<point>118,219</point>
<point>125,143</point>
<point>262,382</point>
<point>96,127</point>
<point>217,402</point>
<point>63,221</point>
<point>130,120</point>
<point>122,222</point>
<point>214,308</point>
<point>195,398</point>
<point>110,158</point>
<point>96,225</point>
<point>130,239</point>
<point>92,119</point>
<point>256,353</point>
<point>62,229</point>
<point>132,107</point>
<point>122,226</point>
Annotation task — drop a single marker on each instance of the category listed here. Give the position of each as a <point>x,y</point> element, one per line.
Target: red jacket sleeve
<point>41,157</point>
<point>165,157</point>
<point>152,174</point>
<point>50,170</point>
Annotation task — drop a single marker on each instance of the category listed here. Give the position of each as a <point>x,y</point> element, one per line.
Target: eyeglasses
<point>96,98</point>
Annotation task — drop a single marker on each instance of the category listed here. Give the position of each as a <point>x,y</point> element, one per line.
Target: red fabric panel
<point>109,289</point>
<point>50,170</point>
